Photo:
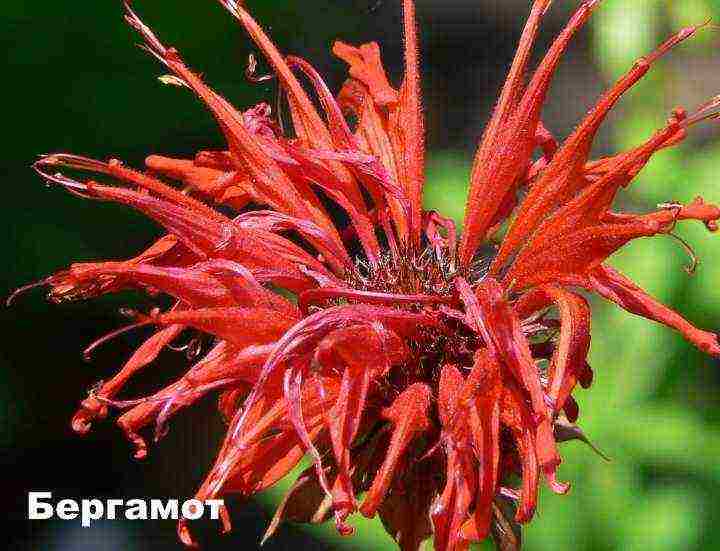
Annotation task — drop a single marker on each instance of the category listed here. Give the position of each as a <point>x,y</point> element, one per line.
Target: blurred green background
<point>75,82</point>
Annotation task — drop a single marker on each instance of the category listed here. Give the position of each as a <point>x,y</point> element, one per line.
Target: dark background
<point>74,81</point>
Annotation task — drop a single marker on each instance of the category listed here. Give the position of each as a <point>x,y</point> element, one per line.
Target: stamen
<point>509,493</point>
<point>231,5</point>
<point>707,111</point>
<point>20,290</point>
<point>172,80</point>
<point>673,41</point>
<point>72,186</point>
<point>87,353</point>
<point>175,401</point>
<point>78,162</point>
<point>124,404</point>
<point>694,259</point>
<point>152,44</point>
<point>566,431</point>
<point>250,76</point>
<point>251,69</point>
<point>180,347</point>
<point>194,348</point>
<point>129,313</point>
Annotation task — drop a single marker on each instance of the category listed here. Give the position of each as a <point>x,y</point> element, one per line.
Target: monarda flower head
<point>428,376</point>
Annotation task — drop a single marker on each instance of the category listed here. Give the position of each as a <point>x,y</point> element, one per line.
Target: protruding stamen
<point>152,44</point>
<point>20,290</point>
<point>231,5</point>
<point>251,71</point>
<point>250,74</point>
<point>707,111</point>
<point>566,431</point>
<point>87,353</point>
<point>674,40</point>
<point>67,160</point>
<point>694,259</point>
<point>172,80</point>
<point>72,186</point>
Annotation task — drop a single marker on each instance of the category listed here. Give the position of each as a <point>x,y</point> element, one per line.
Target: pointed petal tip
<point>172,80</point>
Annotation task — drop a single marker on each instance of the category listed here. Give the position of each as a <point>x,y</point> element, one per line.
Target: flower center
<point>428,273</point>
<point>415,282</point>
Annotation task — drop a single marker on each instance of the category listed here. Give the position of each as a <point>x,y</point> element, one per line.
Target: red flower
<point>413,368</point>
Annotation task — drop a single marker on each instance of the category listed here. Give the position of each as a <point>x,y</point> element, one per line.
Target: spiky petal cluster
<point>424,373</point>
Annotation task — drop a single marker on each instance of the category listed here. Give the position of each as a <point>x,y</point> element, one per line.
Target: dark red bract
<point>425,370</point>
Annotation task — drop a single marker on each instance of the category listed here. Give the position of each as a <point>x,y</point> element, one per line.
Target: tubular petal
<point>498,174</point>
<point>408,414</point>
<point>92,407</point>
<point>335,319</point>
<point>560,179</point>
<point>612,285</point>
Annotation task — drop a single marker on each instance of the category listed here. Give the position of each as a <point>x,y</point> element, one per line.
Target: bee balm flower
<point>421,371</point>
